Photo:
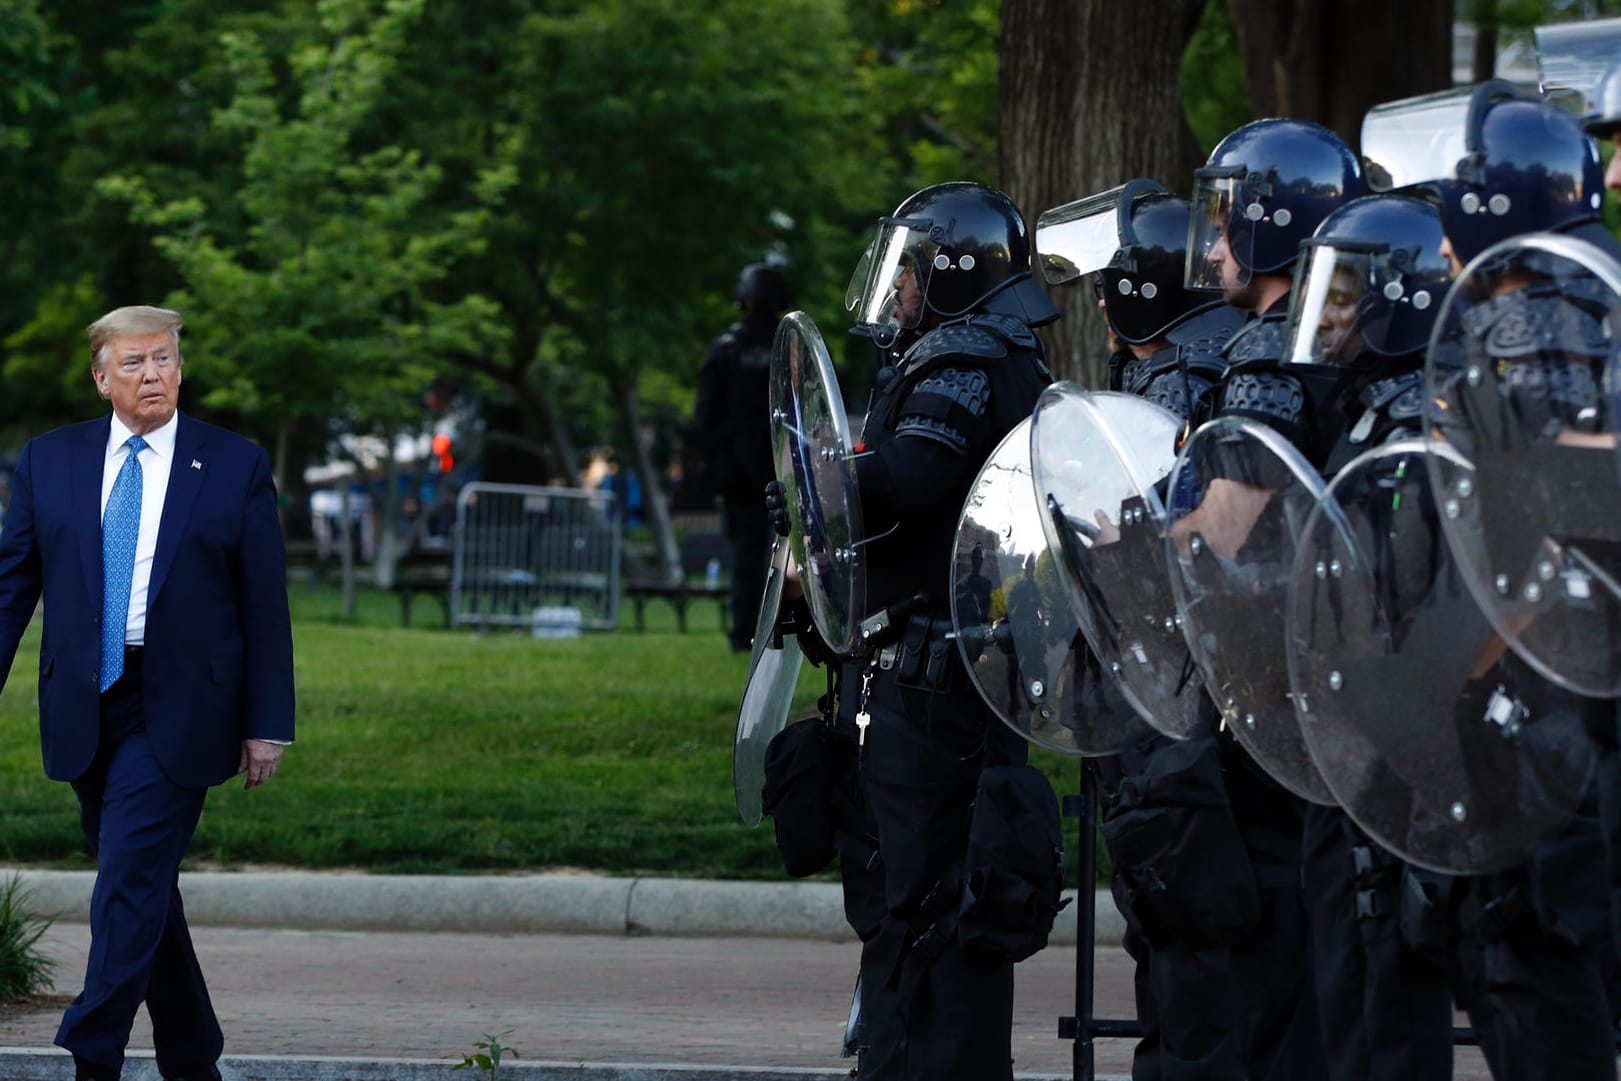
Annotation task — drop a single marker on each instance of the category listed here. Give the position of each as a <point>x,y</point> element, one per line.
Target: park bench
<point>423,570</point>
<point>698,548</point>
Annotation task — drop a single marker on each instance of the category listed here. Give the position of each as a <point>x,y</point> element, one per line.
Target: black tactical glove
<point>776,506</point>
<point>794,618</point>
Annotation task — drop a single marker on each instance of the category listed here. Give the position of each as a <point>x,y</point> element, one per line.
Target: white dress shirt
<point>157,458</point>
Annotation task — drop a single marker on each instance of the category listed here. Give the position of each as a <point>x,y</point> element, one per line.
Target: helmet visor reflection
<point>1572,58</point>
<point>1219,255</point>
<point>1340,300</point>
<point>1416,140</point>
<point>893,277</point>
<point>1078,238</point>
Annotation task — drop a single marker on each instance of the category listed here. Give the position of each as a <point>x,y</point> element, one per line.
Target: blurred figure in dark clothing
<point>733,424</point>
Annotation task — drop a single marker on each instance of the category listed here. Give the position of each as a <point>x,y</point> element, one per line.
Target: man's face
<point>1339,313</point>
<point>140,375</point>
<point>1112,342</point>
<point>1612,172</point>
<point>908,297</point>
<point>1235,290</point>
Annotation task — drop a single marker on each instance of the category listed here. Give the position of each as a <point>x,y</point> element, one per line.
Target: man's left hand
<point>259,761</point>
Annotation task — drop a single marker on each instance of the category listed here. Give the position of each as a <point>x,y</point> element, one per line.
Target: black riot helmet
<point>1527,167</point>
<point>1502,162</point>
<point>951,250</point>
<point>763,288</point>
<point>1266,188</point>
<point>1135,238</point>
<point>1370,282</point>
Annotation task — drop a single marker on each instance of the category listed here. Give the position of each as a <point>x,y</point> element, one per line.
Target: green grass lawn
<point>429,751</point>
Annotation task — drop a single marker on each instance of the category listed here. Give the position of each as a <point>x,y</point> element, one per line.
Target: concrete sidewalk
<point>598,979</point>
<point>746,1008</point>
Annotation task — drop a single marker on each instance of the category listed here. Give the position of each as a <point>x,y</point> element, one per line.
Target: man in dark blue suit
<point>166,667</point>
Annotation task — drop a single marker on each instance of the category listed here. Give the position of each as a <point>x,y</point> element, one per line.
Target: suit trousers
<point>138,824</point>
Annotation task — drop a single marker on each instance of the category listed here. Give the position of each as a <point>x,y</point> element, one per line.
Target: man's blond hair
<point>135,319</point>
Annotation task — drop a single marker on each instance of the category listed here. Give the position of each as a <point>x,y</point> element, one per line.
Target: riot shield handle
<point>876,627</point>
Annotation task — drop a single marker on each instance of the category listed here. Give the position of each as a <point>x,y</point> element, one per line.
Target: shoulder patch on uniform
<point>956,340</point>
<point>1266,393</point>
<point>1260,340</point>
<point>946,406</point>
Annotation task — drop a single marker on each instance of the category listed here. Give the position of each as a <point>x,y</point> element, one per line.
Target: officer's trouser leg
<point>1385,1012</point>
<point>1271,981</point>
<point>951,1014</point>
<point>1540,1010</point>
<point>1197,1037</point>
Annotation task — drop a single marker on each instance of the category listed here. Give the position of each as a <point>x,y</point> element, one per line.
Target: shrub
<point>24,970</point>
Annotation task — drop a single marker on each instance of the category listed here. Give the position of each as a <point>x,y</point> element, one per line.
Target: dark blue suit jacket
<point>218,662</point>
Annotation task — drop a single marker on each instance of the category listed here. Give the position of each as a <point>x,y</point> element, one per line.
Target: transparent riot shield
<point>768,694</point>
<point>810,440</point>
<point>1016,629</point>
<point>1529,501</point>
<point>1101,463</point>
<point>1240,494</point>
<point>1437,740</point>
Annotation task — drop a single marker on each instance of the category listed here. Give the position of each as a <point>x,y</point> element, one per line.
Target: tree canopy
<point>368,209</point>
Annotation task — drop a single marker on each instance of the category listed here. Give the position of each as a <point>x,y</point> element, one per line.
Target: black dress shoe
<point>85,1070</point>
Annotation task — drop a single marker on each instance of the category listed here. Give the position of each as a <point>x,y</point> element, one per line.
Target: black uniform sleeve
<point>941,432</point>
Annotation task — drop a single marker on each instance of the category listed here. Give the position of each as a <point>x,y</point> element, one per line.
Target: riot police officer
<point>1371,284</point>
<point>1536,959</point>
<point>952,265</point>
<point>1265,189</point>
<point>734,427</point>
<point>1165,345</point>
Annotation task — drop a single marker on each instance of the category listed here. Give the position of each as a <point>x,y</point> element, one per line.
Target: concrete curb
<point>26,1064</point>
<point>510,904</point>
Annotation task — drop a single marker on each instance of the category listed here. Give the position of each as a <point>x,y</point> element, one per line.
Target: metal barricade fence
<point>541,558</point>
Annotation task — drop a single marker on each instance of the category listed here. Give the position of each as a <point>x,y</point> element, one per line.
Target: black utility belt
<point>922,657</point>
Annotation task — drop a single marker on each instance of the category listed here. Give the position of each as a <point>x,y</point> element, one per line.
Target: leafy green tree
<point>328,302</point>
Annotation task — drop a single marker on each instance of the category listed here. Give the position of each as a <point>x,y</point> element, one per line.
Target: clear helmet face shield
<point>891,279</point>
<point>1221,233</point>
<point>1416,140</point>
<point>1079,238</point>
<point>1349,300</point>
<point>1571,58</point>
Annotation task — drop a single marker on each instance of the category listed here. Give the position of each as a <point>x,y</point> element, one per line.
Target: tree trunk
<point>389,544</point>
<point>1089,98</point>
<point>1483,13</point>
<point>1333,62</point>
<point>653,502</point>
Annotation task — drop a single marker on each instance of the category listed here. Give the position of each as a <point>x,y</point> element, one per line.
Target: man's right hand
<point>776,506</point>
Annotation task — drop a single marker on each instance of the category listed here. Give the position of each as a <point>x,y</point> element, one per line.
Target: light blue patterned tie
<point>120,526</point>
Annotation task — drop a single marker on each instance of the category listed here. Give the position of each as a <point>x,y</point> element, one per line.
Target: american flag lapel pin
<point>195,464</point>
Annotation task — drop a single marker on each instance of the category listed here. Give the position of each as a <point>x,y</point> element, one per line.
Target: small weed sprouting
<point>24,970</point>
<point>488,1056</point>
